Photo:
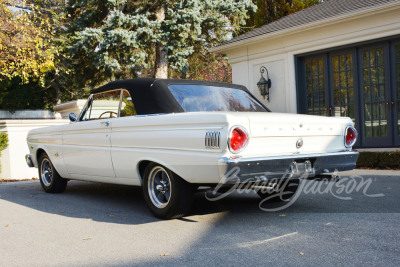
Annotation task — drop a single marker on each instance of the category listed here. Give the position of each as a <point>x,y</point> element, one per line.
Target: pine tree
<point>120,38</point>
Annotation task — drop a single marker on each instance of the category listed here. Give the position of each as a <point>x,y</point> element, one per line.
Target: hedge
<point>3,143</point>
<point>379,160</point>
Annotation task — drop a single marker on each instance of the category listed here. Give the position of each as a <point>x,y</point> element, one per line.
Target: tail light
<point>238,139</point>
<point>350,136</point>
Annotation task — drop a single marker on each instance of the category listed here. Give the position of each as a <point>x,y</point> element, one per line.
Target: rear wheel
<point>166,194</point>
<point>284,191</point>
<point>49,178</point>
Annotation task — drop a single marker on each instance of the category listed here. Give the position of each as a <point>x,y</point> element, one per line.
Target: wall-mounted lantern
<point>264,84</point>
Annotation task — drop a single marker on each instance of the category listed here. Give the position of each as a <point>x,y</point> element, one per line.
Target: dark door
<point>361,82</point>
<point>343,88</point>
<point>375,91</point>
<point>395,103</point>
<point>316,86</point>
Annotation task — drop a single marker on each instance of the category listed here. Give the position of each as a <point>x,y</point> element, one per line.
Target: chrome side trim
<point>212,140</point>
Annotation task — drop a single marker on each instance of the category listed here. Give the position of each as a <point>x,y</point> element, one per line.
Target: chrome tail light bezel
<point>230,137</point>
<point>345,137</point>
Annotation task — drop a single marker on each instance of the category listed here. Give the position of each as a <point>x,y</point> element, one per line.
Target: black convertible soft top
<point>152,96</point>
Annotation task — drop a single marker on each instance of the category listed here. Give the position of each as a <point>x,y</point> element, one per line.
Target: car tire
<point>280,194</point>
<point>50,179</point>
<point>166,194</point>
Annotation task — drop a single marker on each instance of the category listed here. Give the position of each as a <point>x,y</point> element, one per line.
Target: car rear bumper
<point>293,166</point>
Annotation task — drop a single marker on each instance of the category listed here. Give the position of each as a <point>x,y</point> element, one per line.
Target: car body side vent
<point>213,139</point>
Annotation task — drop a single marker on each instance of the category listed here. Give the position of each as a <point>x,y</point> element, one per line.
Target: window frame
<point>89,104</point>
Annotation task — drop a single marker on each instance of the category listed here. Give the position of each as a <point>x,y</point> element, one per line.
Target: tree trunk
<point>161,64</point>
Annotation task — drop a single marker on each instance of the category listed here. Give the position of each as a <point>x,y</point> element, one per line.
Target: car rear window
<point>213,98</point>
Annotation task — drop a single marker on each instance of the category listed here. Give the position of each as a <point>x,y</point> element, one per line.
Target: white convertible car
<point>172,136</point>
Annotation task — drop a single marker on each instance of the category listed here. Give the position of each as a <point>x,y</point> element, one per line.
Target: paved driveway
<point>107,225</point>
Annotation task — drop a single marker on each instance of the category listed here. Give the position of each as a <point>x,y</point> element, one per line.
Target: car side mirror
<point>72,117</point>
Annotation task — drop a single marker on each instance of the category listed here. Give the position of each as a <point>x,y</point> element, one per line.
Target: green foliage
<point>272,10</point>
<point>205,66</point>
<point>3,141</point>
<point>379,160</point>
<point>119,39</point>
<point>18,95</point>
<point>35,72</point>
<point>25,48</point>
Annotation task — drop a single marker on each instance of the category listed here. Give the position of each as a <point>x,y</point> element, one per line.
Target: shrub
<point>379,160</point>
<point>3,143</point>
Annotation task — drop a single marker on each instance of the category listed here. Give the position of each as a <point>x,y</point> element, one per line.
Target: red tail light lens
<point>350,137</point>
<point>238,139</point>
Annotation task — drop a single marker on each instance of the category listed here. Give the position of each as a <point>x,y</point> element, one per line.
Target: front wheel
<point>49,178</point>
<point>166,194</point>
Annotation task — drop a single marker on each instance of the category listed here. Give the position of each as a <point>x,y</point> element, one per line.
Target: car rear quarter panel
<point>176,141</point>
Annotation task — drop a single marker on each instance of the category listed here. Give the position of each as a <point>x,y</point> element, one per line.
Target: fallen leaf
<point>301,253</point>
<point>111,215</point>
<point>62,211</point>
<point>282,215</point>
<point>6,225</point>
<point>87,238</point>
<point>125,218</point>
<point>164,254</point>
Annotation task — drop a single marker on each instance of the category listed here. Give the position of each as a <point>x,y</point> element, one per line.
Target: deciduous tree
<point>272,10</point>
<point>25,47</point>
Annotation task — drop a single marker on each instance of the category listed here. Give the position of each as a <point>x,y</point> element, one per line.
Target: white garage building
<point>337,58</point>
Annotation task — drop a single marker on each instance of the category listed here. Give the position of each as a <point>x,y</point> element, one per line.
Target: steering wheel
<point>111,114</point>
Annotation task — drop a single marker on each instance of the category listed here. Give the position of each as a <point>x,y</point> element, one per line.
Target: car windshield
<point>212,98</point>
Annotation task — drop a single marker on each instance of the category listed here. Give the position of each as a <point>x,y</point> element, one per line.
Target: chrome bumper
<point>29,161</point>
<point>293,166</point>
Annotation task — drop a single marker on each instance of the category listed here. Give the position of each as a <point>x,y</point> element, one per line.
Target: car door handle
<point>105,123</point>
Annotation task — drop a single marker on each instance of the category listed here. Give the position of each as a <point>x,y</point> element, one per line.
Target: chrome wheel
<point>159,187</point>
<point>46,172</point>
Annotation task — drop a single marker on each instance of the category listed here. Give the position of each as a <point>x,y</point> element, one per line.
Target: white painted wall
<point>29,114</point>
<point>277,50</point>
<point>13,164</point>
